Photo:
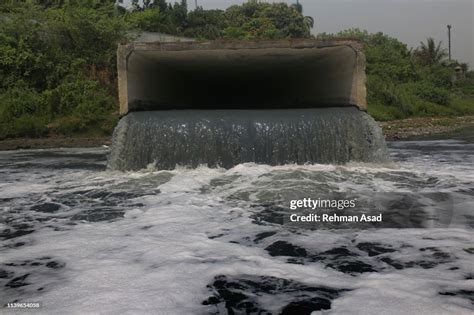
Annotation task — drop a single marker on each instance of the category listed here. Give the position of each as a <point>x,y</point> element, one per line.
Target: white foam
<point>161,255</point>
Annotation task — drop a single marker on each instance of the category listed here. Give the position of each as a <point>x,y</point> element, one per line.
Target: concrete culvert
<point>265,102</point>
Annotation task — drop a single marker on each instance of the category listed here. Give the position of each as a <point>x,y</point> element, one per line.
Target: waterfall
<point>225,138</point>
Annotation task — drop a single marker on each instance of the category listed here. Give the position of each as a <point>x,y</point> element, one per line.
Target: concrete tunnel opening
<point>224,103</point>
<point>249,76</point>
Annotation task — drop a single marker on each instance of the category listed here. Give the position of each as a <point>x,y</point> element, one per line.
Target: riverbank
<point>394,130</point>
<point>406,129</point>
<point>53,142</point>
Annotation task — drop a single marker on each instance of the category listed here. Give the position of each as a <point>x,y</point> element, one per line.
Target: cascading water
<point>225,138</point>
<point>223,103</point>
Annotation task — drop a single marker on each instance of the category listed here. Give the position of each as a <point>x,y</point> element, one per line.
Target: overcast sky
<point>411,21</point>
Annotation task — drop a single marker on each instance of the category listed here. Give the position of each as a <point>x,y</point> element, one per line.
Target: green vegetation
<point>251,20</point>
<point>402,83</point>
<point>58,67</point>
<point>57,57</point>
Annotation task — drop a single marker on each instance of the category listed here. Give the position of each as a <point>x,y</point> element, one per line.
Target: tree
<point>253,20</point>
<point>205,24</point>
<point>431,54</point>
<point>298,7</point>
<point>309,21</point>
<point>148,4</point>
<point>57,66</point>
<point>184,5</point>
<point>135,5</point>
<point>162,5</point>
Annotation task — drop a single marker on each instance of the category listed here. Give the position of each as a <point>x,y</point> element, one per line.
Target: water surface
<point>80,239</point>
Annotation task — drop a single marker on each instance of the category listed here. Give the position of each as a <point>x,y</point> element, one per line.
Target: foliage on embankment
<point>403,83</point>
<point>58,67</point>
<point>57,58</point>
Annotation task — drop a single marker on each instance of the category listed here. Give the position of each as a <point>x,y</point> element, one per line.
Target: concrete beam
<point>241,75</point>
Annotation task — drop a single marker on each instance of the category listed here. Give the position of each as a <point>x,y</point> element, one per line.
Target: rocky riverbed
<point>424,126</point>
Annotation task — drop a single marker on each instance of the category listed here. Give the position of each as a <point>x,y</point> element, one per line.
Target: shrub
<point>19,101</point>
<point>463,105</point>
<point>24,126</point>
<point>384,113</point>
<point>431,93</point>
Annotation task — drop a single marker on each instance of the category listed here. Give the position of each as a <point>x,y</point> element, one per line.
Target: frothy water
<point>227,138</point>
<point>81,240</point>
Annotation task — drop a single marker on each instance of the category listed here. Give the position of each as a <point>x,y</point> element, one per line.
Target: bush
<point>431,93</point>
<point>91,126</point>
<point>57,59</point>
<point>205,24</point>
<point>19,101</point>
<point>432,109</point>
<point>384,113</point>
<point>24,126</point>
<point>253,20</point>
<point>151,20</point>
<point>57,64</point>
<point>463,105</point>
<point>25,112</point>
<point>78,105</point>
<point>79,96</point>
<point>399,85</point>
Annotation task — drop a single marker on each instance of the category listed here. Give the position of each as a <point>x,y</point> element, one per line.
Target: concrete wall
<point>152,37</point>
<point>241,75</point>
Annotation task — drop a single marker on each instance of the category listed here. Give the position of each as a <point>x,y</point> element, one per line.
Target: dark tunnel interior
<point>241,79</point>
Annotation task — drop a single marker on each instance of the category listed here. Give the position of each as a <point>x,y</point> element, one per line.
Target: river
<point>79,239</point>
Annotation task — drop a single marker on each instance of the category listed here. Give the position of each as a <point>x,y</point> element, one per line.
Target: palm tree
<point>298,7</point>
<point>309,21</point>
<point>430,53</point>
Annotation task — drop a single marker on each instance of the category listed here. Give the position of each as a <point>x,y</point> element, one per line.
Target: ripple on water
<point>63,228</point>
